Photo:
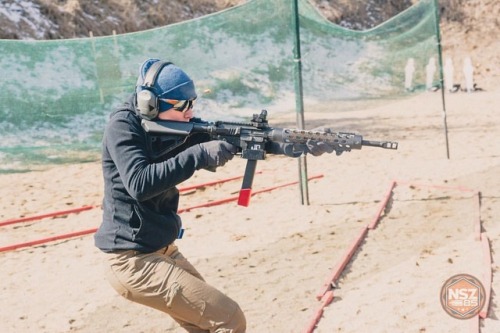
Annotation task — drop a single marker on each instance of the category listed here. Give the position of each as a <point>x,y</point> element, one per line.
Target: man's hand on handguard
<point>217,153</point>
<point>318,148</point>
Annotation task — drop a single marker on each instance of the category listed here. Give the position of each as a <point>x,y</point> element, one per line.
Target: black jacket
<point>140,195</point>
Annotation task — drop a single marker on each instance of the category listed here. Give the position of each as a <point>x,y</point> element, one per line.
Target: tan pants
<point>166,281</point>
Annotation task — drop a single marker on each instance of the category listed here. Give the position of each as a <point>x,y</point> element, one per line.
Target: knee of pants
<point>237,323</point>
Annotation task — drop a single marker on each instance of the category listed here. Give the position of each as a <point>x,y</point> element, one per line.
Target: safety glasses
<point>180,105</point>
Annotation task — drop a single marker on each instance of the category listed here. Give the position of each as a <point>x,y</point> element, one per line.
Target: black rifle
<point>252,137</point>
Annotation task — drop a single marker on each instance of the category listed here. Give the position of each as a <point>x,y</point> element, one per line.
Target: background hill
<point>468,27</point>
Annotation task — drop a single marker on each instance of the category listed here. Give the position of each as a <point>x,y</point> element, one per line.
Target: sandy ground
<point>274,256</point>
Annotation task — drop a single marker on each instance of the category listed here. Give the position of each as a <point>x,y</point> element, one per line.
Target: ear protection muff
<point>147,98</point>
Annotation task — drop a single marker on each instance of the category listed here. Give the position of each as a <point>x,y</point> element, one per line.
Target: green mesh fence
<point>56,94</point>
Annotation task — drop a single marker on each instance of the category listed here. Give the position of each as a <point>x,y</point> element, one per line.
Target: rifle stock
<point>251,138</point>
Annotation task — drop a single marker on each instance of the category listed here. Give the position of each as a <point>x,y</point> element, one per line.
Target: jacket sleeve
<point>127,146</point>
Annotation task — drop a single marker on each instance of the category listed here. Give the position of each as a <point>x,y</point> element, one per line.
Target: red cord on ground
<point>90,231</point>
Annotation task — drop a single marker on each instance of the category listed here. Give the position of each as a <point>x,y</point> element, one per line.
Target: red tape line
<point>326,289</point>
<point>235,198</point>
<point>487,275</point>
<point>325,301</point>
<point>388,195</point>
<point>43,216</point>
<point>477,220</point>
<point>474,324</point>
<point>337,271</point>
<point>90,231</point>
<point>46,240</point>
<point>81,209</point>
<point>216,182</point>
<point>441,187</point>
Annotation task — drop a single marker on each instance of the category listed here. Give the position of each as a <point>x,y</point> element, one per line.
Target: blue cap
<point>171,83</point>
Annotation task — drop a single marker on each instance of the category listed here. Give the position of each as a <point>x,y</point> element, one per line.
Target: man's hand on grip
<point>217,153</point>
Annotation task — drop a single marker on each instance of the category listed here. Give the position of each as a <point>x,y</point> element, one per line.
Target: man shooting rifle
<point>152,144</point>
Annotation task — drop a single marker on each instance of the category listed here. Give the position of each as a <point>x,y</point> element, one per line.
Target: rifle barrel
<point>380,144</point>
